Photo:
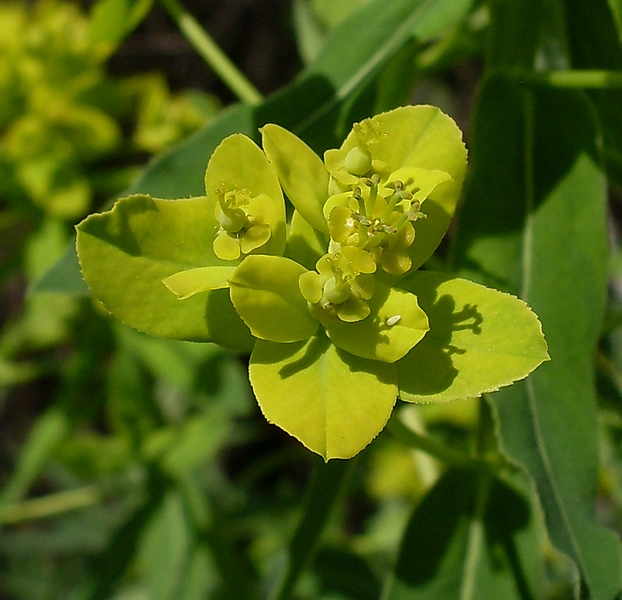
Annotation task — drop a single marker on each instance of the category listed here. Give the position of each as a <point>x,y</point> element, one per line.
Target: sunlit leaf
<point>300,171</point>
<point>192,281</point>
<point>265,292</point>
<point>395,325</point>
<point>126,252</point>
<point>333,402</point>
<point>479,340</point>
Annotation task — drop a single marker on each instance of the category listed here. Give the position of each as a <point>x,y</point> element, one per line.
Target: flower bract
<point>338,317</point>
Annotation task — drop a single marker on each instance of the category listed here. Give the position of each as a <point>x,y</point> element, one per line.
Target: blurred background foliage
<point>134,468</point>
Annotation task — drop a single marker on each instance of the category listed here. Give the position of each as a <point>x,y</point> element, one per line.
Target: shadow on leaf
<point>436,542</point>
<point>428,368</point>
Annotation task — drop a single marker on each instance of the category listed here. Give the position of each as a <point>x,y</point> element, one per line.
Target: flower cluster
<point>330,302</point>
<point>369,203</point>
<point>354,233</point>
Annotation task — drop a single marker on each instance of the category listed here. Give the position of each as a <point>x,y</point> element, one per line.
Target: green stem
<point>50,506</point>
<point>439,451</point>
<point>582,78</point>
<point>327,483</point>
<point>211,53</point>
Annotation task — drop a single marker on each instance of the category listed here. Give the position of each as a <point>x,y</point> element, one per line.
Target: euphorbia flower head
<point>339,319</point>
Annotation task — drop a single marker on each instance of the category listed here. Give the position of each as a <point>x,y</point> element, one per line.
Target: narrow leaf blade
<point>482,542</point>
<point>534,223</point>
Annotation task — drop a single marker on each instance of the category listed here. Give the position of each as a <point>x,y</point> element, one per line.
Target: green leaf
<point>513,42</point>
<point>300,171</point>
<point>265,292</point>
<point>192,281</point>
<point>63,277</point>
<point>349,60</point>
<point>181,171</point>
<point>479,340</point>
<point>535,224</point>
<point>126,252</point>
<point>113,20</point>
<point>596,43</point>
<point>345,573</point>
<point>109,565</point>
<point>483,542</point>
<point>168,551</point>
<point>44,437</point>
<point>180,449</point>
<point>333,402</point>
<point>305,245</point>
<point>395,325</point>
<point>322,496</point>
<point>616,9</point>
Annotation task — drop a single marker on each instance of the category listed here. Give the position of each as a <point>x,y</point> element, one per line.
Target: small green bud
<point>335,292</point>
<point>232,220</point>
<point>358,161</point>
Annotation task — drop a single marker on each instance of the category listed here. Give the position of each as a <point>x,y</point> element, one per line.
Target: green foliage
<point>332,264</point>
<point>61,114</point>
<point>386,198</point>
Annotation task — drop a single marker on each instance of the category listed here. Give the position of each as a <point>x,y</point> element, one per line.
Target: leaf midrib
<point>527,256</point>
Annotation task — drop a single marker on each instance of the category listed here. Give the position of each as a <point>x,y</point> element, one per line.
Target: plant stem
<point>439,451</point>
<point>579,78</point>
<point>327,482</point>
<point>205,46</point>
<point>49,506</point>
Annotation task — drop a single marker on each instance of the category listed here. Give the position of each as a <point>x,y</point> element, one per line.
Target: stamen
<point>361,219</point>
<point>372,183</point>
<point>393,200</point>
<point>414,214</point>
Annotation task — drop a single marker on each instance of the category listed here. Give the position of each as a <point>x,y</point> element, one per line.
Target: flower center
<point>379,219</point>
<point>239,230</point>
<point>341,286</point>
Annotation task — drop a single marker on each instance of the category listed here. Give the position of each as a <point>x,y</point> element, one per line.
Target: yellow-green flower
<point>339,319</point>
<point>240,217</point>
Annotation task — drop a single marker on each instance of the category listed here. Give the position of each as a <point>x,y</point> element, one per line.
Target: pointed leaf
<point>192,281</point>
<point>300,171</point>
<point>333,402</point>
<point>479,340</point>
<point>112,20</point>
<point>265,292</point>
<point>483,542</point>
<point>596,44</point>
<point>305,245</point>
<point>125,254</point>
<point>535,223</point>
